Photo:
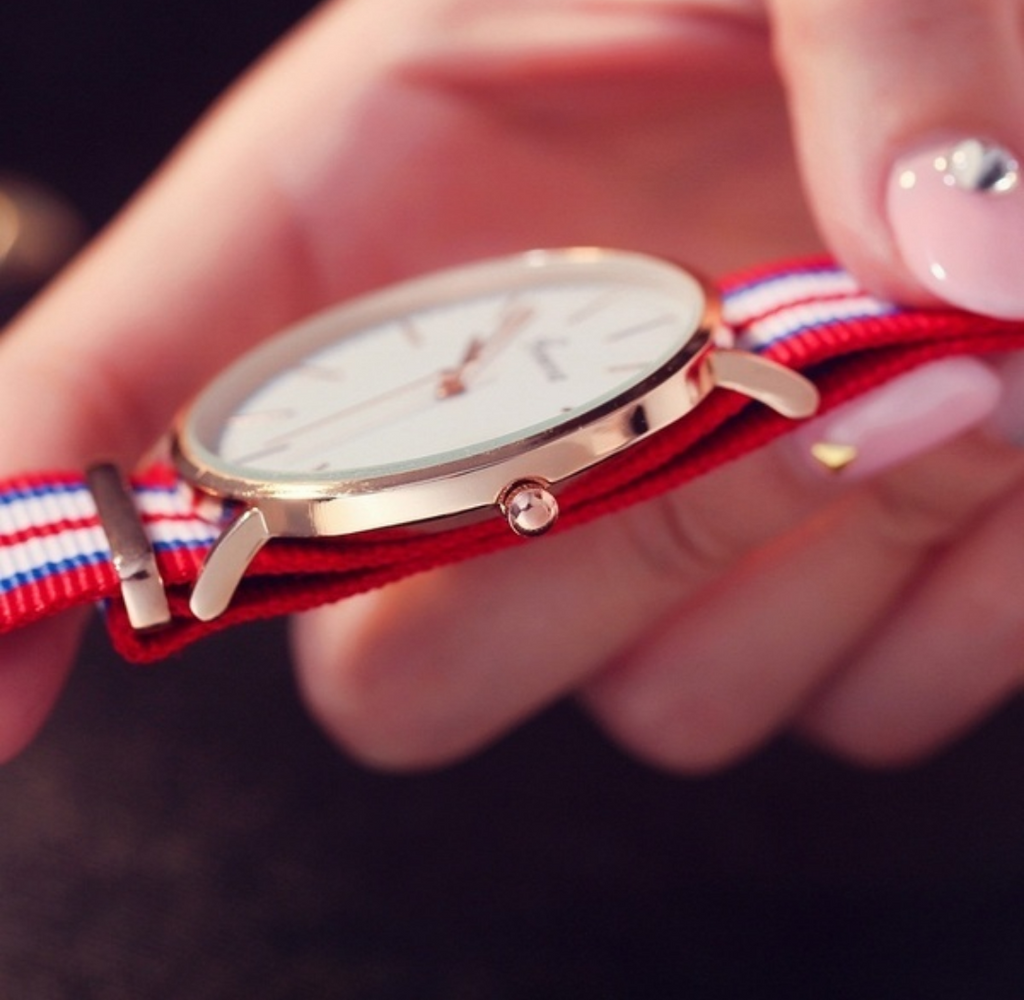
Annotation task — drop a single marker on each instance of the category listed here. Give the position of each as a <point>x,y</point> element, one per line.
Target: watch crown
<point>529,507</point>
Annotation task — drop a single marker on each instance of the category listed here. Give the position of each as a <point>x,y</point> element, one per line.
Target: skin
<point>373,144</point>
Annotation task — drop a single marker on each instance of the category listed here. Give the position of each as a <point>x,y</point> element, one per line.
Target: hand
<point>375,143</point>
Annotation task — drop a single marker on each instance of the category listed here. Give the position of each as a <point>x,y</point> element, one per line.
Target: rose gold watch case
<point>446,491</point>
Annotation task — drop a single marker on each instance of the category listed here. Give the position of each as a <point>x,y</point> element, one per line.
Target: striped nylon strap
<point>811,316</point>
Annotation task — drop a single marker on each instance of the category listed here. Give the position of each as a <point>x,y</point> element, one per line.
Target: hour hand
<point>452,381</point>
<point>481,351</point>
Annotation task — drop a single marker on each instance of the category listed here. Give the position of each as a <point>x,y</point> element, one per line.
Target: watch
<point>463,393</point>
<point>447,416</point>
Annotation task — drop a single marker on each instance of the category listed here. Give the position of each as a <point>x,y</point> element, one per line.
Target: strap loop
<point>142,587</point>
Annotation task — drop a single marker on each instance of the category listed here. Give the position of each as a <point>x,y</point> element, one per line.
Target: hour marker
<point>632,331</point>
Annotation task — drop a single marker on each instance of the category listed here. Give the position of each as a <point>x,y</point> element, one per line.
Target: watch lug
<point>784,390</point>
<point>226,564</point>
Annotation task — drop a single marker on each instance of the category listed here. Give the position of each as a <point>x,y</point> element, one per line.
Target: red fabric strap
<point>809,316</point>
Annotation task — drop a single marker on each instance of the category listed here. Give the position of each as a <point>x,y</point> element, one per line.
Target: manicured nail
<point>908,416</point>
<point>957,214</point>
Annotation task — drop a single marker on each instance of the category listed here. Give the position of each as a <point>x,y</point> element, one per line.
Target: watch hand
<point>360,409</point>
<point>481,352</point>
<point>451,382</point>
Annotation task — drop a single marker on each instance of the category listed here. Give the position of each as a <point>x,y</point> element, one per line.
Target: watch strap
<point>811,316</point>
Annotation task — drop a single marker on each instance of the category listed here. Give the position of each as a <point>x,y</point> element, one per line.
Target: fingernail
<point>957,214</point>
<point>906,417</point>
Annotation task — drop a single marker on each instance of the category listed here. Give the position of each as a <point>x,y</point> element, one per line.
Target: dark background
<point>185,831</point>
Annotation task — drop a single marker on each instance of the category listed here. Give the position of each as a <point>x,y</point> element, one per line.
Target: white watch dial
<point>448,367</point>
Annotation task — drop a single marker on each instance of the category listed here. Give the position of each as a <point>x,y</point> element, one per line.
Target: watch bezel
<point>304,507</point>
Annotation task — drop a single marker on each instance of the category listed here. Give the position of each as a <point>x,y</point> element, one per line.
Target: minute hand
<point>377,404</point>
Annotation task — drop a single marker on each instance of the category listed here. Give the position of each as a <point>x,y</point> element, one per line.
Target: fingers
<point>433,668</point>
<point>34,664</point>
<point>880,92</point>
<point>955,652</point>
<point>733,669</point>
<point>423,672</point>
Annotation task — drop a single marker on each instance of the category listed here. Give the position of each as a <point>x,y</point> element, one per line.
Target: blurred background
<point>185,831</point>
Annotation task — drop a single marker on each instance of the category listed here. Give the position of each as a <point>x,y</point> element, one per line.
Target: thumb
<point>905,115</point>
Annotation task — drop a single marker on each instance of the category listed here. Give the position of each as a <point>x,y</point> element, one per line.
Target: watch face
<point>461,366</point>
